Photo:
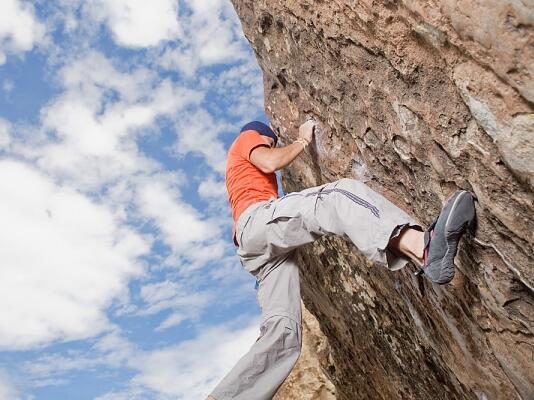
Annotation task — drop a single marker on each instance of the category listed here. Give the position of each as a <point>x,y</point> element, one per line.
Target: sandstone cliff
<point>417,98</point>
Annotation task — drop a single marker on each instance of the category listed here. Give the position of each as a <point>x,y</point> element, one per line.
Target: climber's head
<point>262,129</point>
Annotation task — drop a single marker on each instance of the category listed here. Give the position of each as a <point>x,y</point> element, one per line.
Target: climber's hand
<point>307,129</point>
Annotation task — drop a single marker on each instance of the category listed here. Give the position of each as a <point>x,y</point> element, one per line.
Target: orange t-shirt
<point>245,183</point>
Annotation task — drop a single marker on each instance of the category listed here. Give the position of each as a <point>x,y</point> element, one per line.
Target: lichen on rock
<point>417,99</point>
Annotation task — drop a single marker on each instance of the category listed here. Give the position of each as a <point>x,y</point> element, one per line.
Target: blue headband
<point>261,128</point>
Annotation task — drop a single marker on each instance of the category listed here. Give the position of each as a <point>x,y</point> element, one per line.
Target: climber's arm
<point>269,160</point>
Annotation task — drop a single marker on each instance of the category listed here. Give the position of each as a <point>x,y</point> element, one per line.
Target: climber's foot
<point>443,235</point>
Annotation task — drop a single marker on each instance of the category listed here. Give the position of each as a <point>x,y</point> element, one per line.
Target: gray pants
<point>267,234</point>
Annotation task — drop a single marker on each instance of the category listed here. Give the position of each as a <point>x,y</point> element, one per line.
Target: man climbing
<point>268,229</point>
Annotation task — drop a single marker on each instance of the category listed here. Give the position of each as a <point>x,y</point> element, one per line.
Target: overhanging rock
<point>418,99</point>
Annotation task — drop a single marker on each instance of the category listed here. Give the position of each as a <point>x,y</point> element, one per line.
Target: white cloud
<point>212,35</point>
<point>219,37</point>
<point>198,133</point>
<point>67,253</point>
<point>193,239</point>
<point>182,226</point>
<point>53,369</point>
<point>19,28</point>
<point>114,348</point>
<point>5,136</point>
<point>129,394</point>
<point>186,371</point>
<point>190,370</point>
<point>7,389</point>
<point>64,259</point>
<point>138,23</point>
<point>185,302</point>
<point>97,119</point>
<point>111,350</point>
<point>172,320</point>
<point>242,87</point>
<point>211,188</point>
<point>213,191</point>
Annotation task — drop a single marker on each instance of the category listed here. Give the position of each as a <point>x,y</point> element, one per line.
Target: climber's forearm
<point>269,160</point>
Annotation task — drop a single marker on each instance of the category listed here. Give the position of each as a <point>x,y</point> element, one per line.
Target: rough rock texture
<point>417,98</point>
<point>308,380</point>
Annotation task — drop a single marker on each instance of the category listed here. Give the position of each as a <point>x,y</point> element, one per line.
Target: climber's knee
<point>350,184</point>
<point>283,337</point>
<point>346,181</point>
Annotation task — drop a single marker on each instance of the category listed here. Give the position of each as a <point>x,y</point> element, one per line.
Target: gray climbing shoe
<point>443,235</point>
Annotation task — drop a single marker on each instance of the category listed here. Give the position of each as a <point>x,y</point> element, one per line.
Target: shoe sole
<point>453,226</point>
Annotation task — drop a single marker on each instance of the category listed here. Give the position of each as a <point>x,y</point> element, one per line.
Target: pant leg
<point>346,207</point>
<point>267,233</point>
<point>259,374</point>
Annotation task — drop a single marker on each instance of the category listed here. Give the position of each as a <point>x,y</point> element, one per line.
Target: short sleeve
<point>247,142</point>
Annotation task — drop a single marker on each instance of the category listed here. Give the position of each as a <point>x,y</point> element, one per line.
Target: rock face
<point>416,98</point>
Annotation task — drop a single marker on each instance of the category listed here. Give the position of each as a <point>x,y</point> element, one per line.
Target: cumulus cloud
<point>213,191</point>
<point>212,35</point>
<point>212,188</point>
<point>7,389</point>
<point>88,197</point>
<point>138,23</point>
<point>241,87</point>
<point>52,369</point>
<point>198,132</point>
<point>187,371</point>
<point>183,301</point>
<point>111,350</point>
<point>129,394</point>
<point>183,228</point>
<point>190,370</point>
<point>97,118</point>
<point>64,259</point>
<point>19,28</point>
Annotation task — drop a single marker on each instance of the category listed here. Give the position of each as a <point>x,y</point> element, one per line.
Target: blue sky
<point>118,278</point>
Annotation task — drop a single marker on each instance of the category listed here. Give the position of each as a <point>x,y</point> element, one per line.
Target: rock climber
<point>267,229</point>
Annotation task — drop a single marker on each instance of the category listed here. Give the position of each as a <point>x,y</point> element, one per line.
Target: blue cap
<point>261,128</point>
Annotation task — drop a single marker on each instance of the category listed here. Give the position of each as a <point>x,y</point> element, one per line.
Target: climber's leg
<point>410,242</point>
<point>259,374</point>
<point>346,207</point>
<point>267,233</point>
